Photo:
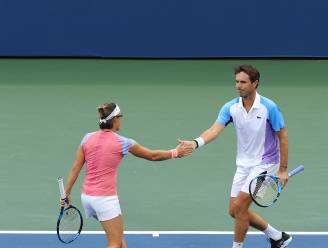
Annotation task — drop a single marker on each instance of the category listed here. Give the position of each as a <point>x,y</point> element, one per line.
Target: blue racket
<point>265,189</point>
<point>70,221</point>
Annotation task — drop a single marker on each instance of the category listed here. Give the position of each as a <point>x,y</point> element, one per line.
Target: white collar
<point>256,103</point>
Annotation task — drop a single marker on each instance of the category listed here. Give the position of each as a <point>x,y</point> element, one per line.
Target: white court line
<point>157,233</point>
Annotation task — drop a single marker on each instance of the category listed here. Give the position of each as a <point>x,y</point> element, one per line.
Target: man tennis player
<point>262,147</point>
<point>102,152</point>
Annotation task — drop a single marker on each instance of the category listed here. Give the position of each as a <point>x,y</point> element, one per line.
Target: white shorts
<point>244,176</point>
<point>101,207</point>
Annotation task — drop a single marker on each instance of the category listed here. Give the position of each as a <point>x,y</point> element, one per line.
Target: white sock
<point>237,245</point>
<point>273,233</point>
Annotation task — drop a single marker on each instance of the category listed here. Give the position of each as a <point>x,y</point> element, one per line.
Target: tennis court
<point>48,105</point>
<point>144,239</point>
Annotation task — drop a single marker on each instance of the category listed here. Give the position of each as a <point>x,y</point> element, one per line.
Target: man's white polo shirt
<point>257,140</point>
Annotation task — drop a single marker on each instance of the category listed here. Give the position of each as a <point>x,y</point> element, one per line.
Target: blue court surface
<point>157,240</point>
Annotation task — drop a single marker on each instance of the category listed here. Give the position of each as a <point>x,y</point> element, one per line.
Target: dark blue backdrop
<point>163,28</point>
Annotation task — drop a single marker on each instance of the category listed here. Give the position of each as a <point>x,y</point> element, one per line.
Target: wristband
<point>174,153</point>
<point>196,144</point>
<point>199,142</point>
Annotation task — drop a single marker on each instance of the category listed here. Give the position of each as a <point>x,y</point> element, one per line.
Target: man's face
<point>244,86</point>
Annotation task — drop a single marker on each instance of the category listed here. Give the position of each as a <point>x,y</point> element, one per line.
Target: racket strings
<point>264,190</point>
<point>69,225</point>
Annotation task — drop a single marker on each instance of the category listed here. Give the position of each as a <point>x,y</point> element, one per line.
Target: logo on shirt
<point>258,117</point>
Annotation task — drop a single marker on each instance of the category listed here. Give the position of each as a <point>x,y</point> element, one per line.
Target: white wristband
<point>200,141</point>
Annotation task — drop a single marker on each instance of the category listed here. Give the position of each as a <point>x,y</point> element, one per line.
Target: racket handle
<point>295,171</point>
<point>61,187</point>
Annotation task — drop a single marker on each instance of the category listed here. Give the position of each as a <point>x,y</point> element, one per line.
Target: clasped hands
<point>185,147</point>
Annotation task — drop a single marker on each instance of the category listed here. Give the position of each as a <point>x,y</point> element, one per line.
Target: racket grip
<point>61,187</point>
<point>295,171</point>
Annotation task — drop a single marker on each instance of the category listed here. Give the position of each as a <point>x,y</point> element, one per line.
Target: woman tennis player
<point>102,152</point>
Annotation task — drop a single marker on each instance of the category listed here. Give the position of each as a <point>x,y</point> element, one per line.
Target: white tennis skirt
<point>101,208</point>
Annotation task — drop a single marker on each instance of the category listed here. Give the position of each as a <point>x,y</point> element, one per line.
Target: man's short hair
<point>250,70</point>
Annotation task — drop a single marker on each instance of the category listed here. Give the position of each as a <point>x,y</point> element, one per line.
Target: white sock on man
<point>237,245</point>
<point>272,233</point>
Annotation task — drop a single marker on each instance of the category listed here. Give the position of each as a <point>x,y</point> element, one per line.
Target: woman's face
<point>118,120</point>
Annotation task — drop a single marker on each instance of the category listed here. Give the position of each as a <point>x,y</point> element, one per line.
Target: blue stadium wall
<point>163,28</point>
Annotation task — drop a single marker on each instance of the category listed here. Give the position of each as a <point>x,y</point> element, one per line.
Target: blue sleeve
<point>275,118</point>
<point>85,138</point>
<point>126,144</point>
<point>224,116</point>
<point>274,114</point>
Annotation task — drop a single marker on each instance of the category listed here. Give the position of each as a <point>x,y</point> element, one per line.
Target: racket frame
<point>276,179</point>
<point>279,187</point>
<point>61,214</point>
<point>63,209</point>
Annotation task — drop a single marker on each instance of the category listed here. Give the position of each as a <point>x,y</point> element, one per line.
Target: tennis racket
<point>265,189</point>
<point>70,221</point>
